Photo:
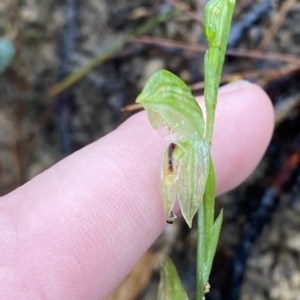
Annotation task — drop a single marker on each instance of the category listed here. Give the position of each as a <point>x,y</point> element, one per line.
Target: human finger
<point>77,229</point>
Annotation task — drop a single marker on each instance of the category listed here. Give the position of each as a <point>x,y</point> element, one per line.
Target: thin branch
<point>279,18</point>
<point>81,71</point>
<point>201,48</point>
<point>186,9</point>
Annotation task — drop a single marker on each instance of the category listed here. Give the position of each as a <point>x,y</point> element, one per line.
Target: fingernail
<point>234,86</point>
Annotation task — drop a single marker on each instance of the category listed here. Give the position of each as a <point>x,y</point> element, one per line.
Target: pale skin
<point>76,230</point>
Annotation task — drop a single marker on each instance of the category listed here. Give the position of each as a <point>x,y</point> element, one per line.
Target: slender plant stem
<point>200,254</point>
<point>217,21</point>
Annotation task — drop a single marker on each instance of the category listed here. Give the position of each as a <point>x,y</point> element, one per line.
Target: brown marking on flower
<point>172,147</point>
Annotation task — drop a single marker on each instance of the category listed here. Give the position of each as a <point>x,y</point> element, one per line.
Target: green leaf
<point>209,200</point>
<point>214,237</point>
<point>170,287</point>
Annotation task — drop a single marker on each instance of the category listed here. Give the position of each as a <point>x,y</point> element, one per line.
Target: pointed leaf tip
<point>170,286</point>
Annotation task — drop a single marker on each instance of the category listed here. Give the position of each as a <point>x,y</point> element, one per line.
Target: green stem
<point>210,117</point>
<point>217,21</point>
<point>200,254</point>
<point>208,233</point>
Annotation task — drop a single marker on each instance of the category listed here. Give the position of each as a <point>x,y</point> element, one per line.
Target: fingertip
<point>243,129</point>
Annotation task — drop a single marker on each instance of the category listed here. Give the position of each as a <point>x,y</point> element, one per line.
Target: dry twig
<point>201,48</point>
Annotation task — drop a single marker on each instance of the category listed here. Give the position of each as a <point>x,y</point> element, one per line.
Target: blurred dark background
<point>123,43</point>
